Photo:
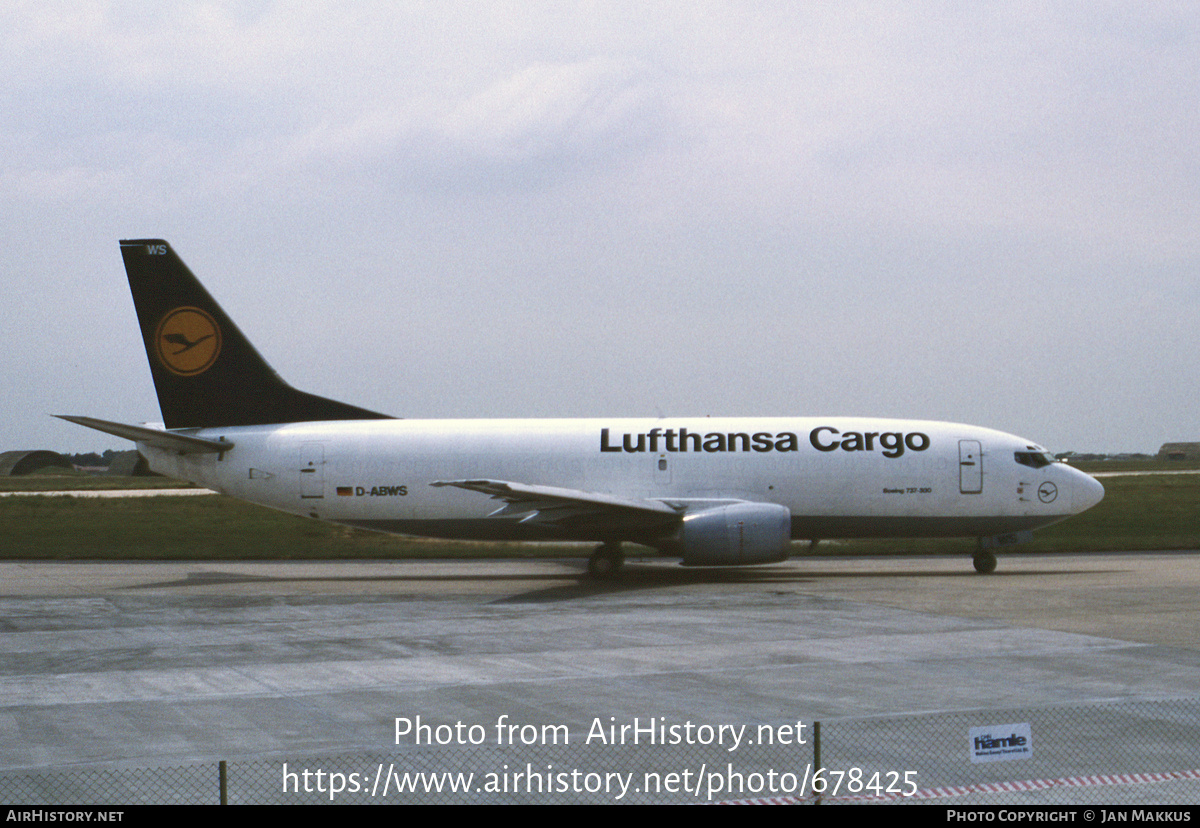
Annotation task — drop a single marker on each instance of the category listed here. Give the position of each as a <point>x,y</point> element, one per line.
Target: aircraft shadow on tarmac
<point>568,585</point>
<point>633,578</point>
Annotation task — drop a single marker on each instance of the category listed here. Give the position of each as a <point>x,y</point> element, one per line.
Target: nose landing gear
<point>985,561</point>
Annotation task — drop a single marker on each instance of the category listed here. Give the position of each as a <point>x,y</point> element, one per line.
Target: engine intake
<point>740,533</point>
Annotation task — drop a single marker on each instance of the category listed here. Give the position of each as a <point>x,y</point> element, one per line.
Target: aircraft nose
<point>1088,492</point>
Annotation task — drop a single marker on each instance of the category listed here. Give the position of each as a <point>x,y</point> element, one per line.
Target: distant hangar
<point>1179,451</point>
<point>14,463</point>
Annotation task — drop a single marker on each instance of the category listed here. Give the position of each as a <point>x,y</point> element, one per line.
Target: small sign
<point>1001,743</point>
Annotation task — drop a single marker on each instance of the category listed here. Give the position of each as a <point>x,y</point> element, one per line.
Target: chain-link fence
<point>1126,753</point>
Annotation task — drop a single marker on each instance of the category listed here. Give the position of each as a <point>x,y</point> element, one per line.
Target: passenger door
<point>970,467</point>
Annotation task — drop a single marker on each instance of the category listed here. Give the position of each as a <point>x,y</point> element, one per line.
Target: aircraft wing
<point>573,509</point>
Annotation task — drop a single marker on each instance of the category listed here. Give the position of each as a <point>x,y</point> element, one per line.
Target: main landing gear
<point>985,561</point>
<point>606,561</point>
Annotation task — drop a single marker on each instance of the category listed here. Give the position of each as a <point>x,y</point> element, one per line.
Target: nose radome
<point>1088,492</point>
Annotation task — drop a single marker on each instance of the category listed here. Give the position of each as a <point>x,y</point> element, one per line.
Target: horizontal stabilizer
<point>166,440</point>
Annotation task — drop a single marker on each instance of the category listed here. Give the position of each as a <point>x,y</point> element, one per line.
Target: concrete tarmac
<point>168,663</point>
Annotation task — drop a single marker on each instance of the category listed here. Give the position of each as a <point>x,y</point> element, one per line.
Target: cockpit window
<point>1033,459</point>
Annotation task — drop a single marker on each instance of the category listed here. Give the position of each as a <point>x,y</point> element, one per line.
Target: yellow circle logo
<point>188,341</point>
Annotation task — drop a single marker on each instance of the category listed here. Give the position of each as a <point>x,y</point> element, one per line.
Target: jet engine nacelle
<point>740,533</point>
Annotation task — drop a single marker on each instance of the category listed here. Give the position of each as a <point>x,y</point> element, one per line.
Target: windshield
<point>1033,459</point>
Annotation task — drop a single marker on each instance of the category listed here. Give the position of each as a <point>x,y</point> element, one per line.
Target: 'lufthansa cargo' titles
<point>890,444</point>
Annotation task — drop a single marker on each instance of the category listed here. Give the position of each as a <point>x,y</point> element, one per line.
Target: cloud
<point>582,109</point>
<point>544,122</point>
<point>702,181</point>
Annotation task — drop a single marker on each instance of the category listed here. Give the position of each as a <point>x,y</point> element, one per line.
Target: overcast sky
<point>977,212</point>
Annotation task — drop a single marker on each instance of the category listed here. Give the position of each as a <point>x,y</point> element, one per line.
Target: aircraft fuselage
<point>837,477</point>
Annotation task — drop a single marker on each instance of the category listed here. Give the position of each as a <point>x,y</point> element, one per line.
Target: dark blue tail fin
<point>206,372</point>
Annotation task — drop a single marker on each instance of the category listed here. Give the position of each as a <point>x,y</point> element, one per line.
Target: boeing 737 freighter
<point>710,491</point>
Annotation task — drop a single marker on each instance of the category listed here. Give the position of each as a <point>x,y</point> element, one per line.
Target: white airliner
<point>710,491</point>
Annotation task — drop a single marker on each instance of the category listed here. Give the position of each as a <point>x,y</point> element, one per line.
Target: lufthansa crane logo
<point>188,341</point>
<point>1047,492</point>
